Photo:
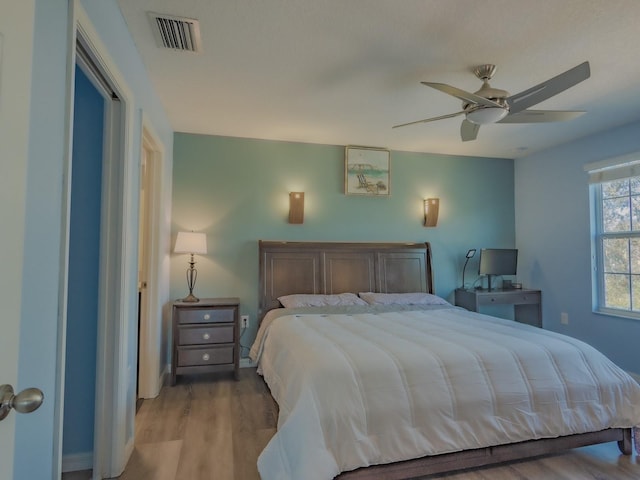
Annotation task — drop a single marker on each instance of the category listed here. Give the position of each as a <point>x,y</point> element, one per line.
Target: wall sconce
<point>431,207</point>
<point>296,207</point>
<point>192,243</point>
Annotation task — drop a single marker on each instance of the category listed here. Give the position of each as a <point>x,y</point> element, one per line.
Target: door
<point>15,73</point>
<point>143,261</point>
<point>10,298</point>
<point>150,257</point>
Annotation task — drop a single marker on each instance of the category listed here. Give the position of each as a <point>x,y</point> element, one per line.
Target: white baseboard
<point>164,376</point>
<point>247,363</point>
<point>77,461</point>
<point>128,451</point>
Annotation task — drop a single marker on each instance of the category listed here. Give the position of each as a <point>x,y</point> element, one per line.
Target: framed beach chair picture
<point>367,171</point>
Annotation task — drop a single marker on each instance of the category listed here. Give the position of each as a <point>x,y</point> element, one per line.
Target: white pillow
<point>416,298</point>
<point>310,300</point>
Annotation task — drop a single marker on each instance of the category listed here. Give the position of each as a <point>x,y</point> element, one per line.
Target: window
<point>615,193</point>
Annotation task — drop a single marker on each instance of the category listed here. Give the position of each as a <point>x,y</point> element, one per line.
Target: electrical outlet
<point>244,319</point>
<point>564,318</point>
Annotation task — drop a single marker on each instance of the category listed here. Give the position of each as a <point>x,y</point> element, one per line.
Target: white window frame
<point>617,168</point>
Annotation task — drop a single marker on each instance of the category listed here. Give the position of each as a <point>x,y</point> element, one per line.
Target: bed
<point>409,388</point>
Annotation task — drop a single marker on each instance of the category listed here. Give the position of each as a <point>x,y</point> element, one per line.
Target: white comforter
<point>361,389</point>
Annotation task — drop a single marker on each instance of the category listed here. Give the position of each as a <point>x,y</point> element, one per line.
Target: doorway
<point>145,226</point>
<point>150,226</point>
<point>83,279</point>
<point>116,352</point>
<point>97,313</point>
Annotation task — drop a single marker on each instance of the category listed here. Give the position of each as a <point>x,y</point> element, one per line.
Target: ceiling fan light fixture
<point>484,115</point>
<point>493,105</point>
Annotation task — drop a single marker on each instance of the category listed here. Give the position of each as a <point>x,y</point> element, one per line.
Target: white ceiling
<point>343,72</point>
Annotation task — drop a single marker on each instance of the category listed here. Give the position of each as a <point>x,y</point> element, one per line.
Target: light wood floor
<point>214,430</point>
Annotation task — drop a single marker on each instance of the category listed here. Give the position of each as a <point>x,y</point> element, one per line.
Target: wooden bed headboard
<point>330,267</point>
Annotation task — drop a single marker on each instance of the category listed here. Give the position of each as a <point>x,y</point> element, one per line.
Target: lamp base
<point>191,298</point>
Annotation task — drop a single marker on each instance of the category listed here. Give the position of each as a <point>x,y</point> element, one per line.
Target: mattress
<point>359,386</point>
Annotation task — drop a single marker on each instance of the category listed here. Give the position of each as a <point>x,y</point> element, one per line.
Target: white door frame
<point>112,448</point>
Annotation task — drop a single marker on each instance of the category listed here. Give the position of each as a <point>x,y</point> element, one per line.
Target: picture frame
<point>367,171</point>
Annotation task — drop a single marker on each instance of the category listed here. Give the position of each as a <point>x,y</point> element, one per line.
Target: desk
<point>527,304</point>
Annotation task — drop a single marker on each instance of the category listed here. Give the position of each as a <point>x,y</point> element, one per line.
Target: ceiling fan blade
<point>523,100</point>
<point>469,130</point>
<point>541,116</point>
<point>451,115</point>
<point>462,94</point>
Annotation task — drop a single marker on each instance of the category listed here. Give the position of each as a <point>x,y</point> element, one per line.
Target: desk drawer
<point>512,298</point>
<point>206,315</point>
<point>206,334</point>
<point>190,356</point>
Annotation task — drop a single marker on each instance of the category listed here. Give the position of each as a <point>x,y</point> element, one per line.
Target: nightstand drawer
<point>189,356</point>
<point>206,315</point>
<point>205,335</point>
<point>510,299</point>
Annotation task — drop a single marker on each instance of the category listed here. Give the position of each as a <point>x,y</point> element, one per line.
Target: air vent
<point>176,33</point>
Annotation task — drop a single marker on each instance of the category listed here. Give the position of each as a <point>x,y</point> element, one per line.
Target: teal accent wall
<point>554,237</point>
<point>237,191</point>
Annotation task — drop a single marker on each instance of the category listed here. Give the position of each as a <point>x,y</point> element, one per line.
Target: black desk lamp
<point>470,254</point>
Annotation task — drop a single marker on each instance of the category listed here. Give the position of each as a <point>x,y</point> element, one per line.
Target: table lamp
<point>192,243</point>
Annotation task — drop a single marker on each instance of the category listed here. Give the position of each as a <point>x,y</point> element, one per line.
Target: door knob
<point>26,401</point>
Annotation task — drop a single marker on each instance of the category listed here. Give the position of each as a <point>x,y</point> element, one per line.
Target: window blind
<point>614,168</point>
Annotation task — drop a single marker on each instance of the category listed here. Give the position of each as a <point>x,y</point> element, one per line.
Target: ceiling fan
<point>492,105</point>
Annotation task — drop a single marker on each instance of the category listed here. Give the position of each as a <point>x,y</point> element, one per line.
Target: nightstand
<point>205,337</point>
<point>527,304</point>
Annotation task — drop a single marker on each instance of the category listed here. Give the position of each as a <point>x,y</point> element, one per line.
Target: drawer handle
<point>206,336</point>
<point>207,316</point>
<point>206,357</point>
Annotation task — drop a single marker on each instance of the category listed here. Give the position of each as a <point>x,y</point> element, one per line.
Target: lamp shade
<point>191,242</point>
